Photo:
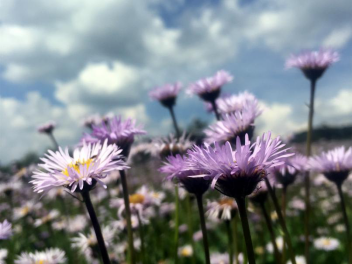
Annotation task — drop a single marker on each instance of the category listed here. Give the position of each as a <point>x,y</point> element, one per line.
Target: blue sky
<point>65,60</point>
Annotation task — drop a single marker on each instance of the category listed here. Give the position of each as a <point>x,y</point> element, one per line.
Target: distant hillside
<point>325,133</point>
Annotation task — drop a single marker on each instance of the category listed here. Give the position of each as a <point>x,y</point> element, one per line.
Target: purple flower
<point>286,173</point>
<point>176,167</point>
<point>163,147</point>
<point>89,165</point>
<point>232,125</point>
<point>236,102</point>
<point>313,63</point>
<point>166,94</point>
<point>209,88</point>
<point>5,230</point>
<point>115,131</point>
<point>92,120</point>
<point>237,173</point>
<point>334,164</point>
<point>47,127</point>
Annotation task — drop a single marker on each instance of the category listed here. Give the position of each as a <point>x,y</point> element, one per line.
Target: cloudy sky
<point>64,60</point>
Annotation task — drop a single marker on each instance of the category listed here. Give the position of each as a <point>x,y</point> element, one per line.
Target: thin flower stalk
<point>230,240</point>
<point>96,226</point>
<point>346,222</point>
<point>241,203</point>
<point>203,227</point>
<point>235,237</point>
<point>142,237</point>
<point>190,225</point>
<point>131,255</point>
<point>271,232</point>
<point>281,220</point>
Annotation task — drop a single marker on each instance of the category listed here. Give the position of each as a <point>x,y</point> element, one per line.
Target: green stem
<point>281,220</point>
<point>56,145</point>
<point>307,180</point>
<point>229,236</point>
<point>216,111</point>
<point>178,134</point>
<point>203,227</point>
<point>271,231</point>
<point>141,234</point>
<point>190,226</point>
<point>345,218</point>
<point>126,199</point>
<point>284,191</point>
<point>96,226</point>
<point>241,203</point>
<point>177,223</point>
<point>235,240</point>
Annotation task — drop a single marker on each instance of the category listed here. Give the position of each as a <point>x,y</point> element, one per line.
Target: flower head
<point>313,63</point>
<point>92,120</point>
<point>286,173</point>
<point>5,230</point>
<point>115,131</point>
<point>326,243</point>
<point>279,242</point>
<point>176,167</point>
<point>209,88</point>
<point>185,251</point>
<point>86,243</point>
<point>233,125</point>
<point>237,173</point>
<point>299,260</point>
<point>236,102</point>
<point>89,165</point>
<point>163,147</point>
<point>224,208</point>
<point>166,94</point>
<point>3,255</point>
<point>140,203</point>
<point>49,256</point>
<point>47,127</point>
<point>334,164</point>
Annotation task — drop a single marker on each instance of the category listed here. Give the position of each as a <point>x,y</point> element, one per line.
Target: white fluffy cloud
<point>20,136</point>
<point>102,56</point>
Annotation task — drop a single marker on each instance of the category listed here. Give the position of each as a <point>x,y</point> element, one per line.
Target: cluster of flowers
<point>229,161</point>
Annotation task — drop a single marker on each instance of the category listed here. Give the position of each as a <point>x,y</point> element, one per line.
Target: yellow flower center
<point>185,252</point>
<point>40,262</point>
<point>326,242</point>
<point>25,210</point>
<point>76,166</point>
<point>137,198</point>
<point>226,201</point>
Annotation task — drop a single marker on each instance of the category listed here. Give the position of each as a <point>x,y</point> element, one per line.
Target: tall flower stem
<point>141,234</point>
<point>126,199</point>
<point>281,221</point>
<point>271,231</point>
<point>241,203</point>
<point>216,111</point>
<point>229,235</point>
<point>203,227</point>
<point>96,226</point>
<point>177,223</point>
<point>172,113</point>
<point>235,240</point>
<point>306,179</point>
<point>345,218</point>
<point>283,201</point>
<point>190,225</point>
<point>51,135</point>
